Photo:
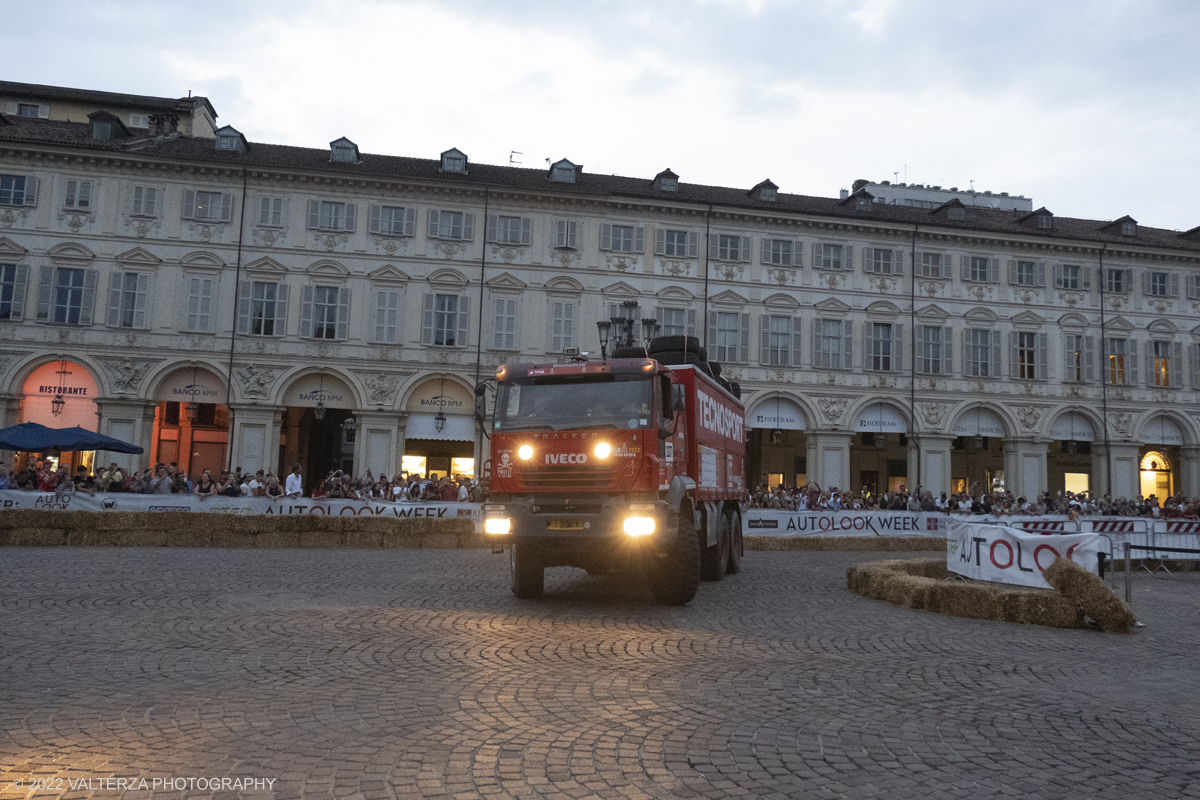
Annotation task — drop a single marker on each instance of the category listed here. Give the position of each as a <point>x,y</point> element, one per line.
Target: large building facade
<point>224,302</point>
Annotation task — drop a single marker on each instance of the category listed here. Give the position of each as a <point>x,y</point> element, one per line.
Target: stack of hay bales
<point>922,585</point>
<point>1091,594</point>
<point>30,528</point>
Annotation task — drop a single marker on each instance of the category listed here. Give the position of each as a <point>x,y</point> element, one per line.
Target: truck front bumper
<point>591,520</point>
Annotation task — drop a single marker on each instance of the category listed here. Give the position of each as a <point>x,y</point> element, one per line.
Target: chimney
<point>843,194</point>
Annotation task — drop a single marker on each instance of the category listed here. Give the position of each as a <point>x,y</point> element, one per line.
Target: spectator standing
<point>295,483</point>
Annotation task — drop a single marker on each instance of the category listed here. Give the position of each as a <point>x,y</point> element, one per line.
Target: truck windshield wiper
<point>541,426</point>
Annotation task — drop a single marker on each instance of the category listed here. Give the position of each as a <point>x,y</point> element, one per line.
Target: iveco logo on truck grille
<point>566,458</point>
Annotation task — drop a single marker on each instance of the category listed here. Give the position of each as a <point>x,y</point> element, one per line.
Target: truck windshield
<point>600,401</point>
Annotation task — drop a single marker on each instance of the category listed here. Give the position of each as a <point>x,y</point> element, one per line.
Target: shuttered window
<point>270,212</point>
<point>675,321</point>
<point>1028,356</point>
<point>387,317</point>
<point>566,234</point>
<point>832,343</point>
<point>18,190</point>
<point>393,221</point>
<point>262,308</point>
<point>509,230</point>
<point>66,296</point>
<point>885,347</point>
<point>1079,358</point>
<point>444,320</point>
<point>451,225</point>
<point>780,340</point>
<point>781,252</point>
<point>14,279</point>
<point>79,196</point>
<point>729,336</point>
<point>729,247</point>
<point>562,326</point>
<point>675,244</point>
<point>204,206</point>
<point>128,295</point>
<point>198,318</point>
<point>324,312</point>
<point>1165,360</point>
<point>981,353</point>
<point>935,350</point>
<point>144,202</point>
<point>326,215</point>
<point>1121,358</point>
<point>504,324</point>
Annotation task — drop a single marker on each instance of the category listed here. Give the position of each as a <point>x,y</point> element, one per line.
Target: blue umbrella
<point>32,437</point>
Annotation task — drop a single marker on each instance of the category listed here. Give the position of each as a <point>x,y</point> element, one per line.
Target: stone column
<point>10,409</point>
<point>932,454</point>
<point>130,421</point>
<point>375,442</point>
<point>1189,472</point>
<point>831,465</point>
<point>1126,477</point>
<point>254,440</point>
<point>1025,462</point>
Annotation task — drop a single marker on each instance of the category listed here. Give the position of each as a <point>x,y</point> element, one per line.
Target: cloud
<point>1087,108</point>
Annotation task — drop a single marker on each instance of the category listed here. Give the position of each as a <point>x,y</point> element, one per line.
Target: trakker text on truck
<point>617,463</point>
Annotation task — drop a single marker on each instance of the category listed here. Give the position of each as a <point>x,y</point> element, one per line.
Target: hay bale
<point>1091,594</point>
<point>922,584</point>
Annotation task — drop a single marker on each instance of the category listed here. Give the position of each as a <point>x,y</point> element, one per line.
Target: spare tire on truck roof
<point>629,352</point>
<point>677,344</point>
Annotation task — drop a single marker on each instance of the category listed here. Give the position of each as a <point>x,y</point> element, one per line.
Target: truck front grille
<point>566,477</point>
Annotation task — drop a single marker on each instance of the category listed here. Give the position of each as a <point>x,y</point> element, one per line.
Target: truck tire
<point>528,574</point>
<point>735,543</point>
<point>672,344</point>
<point>676,575</point>
<point>629,352</point>
<point>714,561</point>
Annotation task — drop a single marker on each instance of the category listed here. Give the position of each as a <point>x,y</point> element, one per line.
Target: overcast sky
<point>1090,108</point>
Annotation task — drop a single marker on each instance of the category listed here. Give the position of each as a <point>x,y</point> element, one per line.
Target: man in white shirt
<point>295,484</point>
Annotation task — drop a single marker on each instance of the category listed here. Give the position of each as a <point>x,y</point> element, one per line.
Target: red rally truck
<point>624,462</point>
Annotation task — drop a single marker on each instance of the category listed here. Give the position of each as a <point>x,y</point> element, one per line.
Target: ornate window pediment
<point>139,256</point>
<point>781,300</point>
<point>506,280</point>
<point>564,284</point>
<point>620,288</point>
<point>448,277</point>
<point>266,264</point>
<point>70,251</point>
<point>10,249</point>
<point>388,272</point>
<point>933,312</point>
<point>883,308</point>
<point>729,298</point>
<point>831,305</point>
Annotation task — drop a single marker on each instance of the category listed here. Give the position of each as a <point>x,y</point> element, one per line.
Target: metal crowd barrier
<point>1156,549</point>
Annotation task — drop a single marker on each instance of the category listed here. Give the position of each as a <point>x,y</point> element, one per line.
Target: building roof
<point>98,98</point>
<point>372,166</point>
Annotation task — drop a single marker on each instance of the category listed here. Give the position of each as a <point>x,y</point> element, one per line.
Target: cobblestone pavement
<point>414,673</point>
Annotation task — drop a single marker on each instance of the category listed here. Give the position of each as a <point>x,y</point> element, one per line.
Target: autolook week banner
<point>1007,555</point>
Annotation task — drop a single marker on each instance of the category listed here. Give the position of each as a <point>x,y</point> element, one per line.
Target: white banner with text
<point>48,501</point>
<point>1007,555</point>
<point>774,522</point>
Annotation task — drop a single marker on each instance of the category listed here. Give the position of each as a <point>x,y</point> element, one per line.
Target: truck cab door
<point>671,445</point>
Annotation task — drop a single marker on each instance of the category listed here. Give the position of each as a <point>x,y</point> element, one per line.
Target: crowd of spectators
<point>1082,504</point>
<point>164,478</point>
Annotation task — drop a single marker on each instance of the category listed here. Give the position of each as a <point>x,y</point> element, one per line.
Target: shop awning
<point>423,426</point>
<point>31,437</point>
<point>1072,427</point>
<point>776,412</point>
<point>1162,430</point>
<point>880,418</point>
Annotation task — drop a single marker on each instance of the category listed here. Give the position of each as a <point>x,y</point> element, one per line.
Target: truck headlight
<point>603,450</point>
<point>525,452</point>
<point>639,526</point>
<point>497,525</point>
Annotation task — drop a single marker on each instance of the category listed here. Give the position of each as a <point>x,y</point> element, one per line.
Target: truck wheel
<point>714,560</point>
<point>528,575</point>
<point>676,575</point>
<point>735,543</point>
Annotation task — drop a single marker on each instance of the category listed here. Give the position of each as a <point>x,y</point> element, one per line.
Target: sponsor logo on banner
<point>756,524</point>
<point>1007,555</point>
<point>108,504</point>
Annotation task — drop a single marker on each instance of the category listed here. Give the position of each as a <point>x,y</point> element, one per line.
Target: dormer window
<point>1129,228</point>
<point>1045,221</point>
<point>28,110</point>
<point>862,203</point>
<point>343,151</point>
<point>139,121</point>
<point>454,160</point>
<point>666,181</point>
<point>229,138</point>
<point>563,171</point>
<point>106,127</point>
<point>764,192</point>
<point>956,213</point>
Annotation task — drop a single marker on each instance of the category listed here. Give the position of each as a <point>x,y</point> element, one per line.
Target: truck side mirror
<point>481,402</point>
<point>677,401</point>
